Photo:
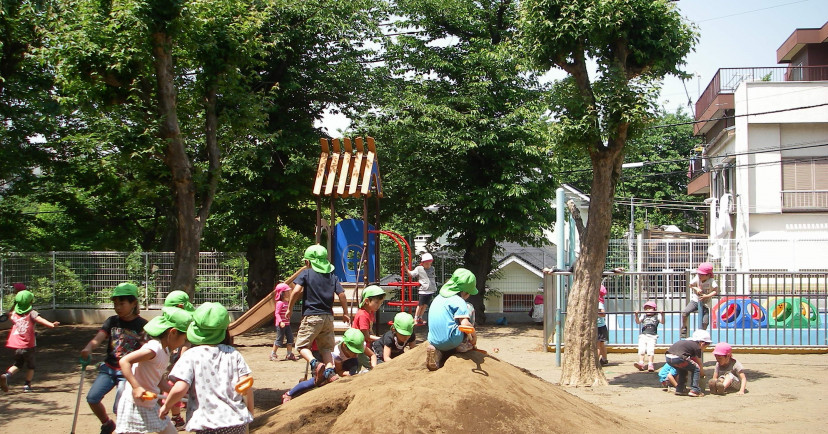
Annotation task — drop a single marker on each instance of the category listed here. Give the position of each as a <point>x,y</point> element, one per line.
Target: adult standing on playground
<point>317,285</point>
<point>424,274</point>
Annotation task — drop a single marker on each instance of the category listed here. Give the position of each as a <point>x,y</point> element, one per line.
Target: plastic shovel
<point>243,385</point>
<point>466,329</point>
<point>83,363</point>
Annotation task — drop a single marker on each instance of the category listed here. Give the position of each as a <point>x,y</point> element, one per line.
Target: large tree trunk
<point>261,273</point>
<point>580,364</point>
<point>478,260</point>
<point>188,229</point>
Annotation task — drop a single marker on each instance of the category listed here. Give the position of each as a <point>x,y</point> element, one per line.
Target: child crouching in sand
<point>728,375</point>
<point>448,312</point>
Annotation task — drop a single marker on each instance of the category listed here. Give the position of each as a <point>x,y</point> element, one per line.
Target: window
<point>517,302</point>
<point>804,184</point>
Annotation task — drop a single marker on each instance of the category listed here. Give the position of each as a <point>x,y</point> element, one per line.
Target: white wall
<point>512,279</point>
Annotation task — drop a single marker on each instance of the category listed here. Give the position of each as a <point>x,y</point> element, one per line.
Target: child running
<point>395,341</point>
<point>22,339</point>
<point>208,373</point>
<point>685,356</point>
<point>317,286</point>
<point>648,337</point>
<point>728,375</point>
<point>284,334</point>
<point>143,370</point>
<point>448,312</point>
<point>123,333</point>
<point>425,292</point>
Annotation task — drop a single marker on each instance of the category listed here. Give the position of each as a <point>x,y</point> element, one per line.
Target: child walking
<point>317,286</point>
<point>123,333</point>
<point>728,375</point>
<point>649,322</point>
<point>685,356</point>
<point>702,290</point>
<point>425,276</point>
<point>208,374</point>
<point>143,370</point>
<point>22,339</point>
<point>397,339</point>
<point>448,312</point>
<point>284,334</point>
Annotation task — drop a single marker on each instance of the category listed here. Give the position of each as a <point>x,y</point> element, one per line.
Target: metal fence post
<point>54,281</point>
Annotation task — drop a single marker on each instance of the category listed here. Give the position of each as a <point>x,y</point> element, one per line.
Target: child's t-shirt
<point>364,320</point>
<point>281,313</point>
<point>443,327</point>
<point>649,324</point>
<point>602,321</point>
<point>685,349</point>
<point>707,287</point>
<point>389,340</point>
<point>318,292</point>
<point>123,337</point>
<point>22,333</point>
<point>149,372</point>
<point>426,279</point>
<point>212,371</point>
<point>734,366</point>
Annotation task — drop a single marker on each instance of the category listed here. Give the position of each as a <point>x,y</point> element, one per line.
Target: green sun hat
<point>354,340</point>
<point>179,299</point>
<point>404,323</point>
<point>370,291</point>
<point>462,280</point>
<point>171,317</point>
<point>125,290</point>
<point>318,258</point>
<point>209,324</point>
<point>23,302</point>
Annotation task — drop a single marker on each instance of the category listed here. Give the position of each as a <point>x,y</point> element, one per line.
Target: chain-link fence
<point>86,279</point>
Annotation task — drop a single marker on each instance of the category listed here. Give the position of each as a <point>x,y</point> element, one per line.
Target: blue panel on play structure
<point>348,251</point>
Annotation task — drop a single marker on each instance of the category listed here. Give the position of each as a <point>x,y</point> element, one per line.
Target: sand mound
<point>473,392</point>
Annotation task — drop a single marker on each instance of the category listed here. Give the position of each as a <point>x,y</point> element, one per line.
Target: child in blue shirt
<point>448,312</point>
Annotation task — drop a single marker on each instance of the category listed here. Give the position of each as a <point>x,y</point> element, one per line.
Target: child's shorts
<point>24,358</point>
<point>425,299</point>
<point>319,328</point>
<point>665,371</point>
<point>603,334</point>
<point>646,344</point>
<point>284,335</point>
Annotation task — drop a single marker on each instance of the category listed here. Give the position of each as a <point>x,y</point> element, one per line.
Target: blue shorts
<point>107,379</point>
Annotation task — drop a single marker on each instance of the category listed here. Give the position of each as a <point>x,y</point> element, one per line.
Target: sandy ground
<point>785,392</point>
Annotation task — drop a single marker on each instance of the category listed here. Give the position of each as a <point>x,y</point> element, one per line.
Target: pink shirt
<point>22,334</point>
<point>281,312</point>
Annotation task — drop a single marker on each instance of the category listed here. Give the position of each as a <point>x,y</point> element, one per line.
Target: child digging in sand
<point>728,375</point>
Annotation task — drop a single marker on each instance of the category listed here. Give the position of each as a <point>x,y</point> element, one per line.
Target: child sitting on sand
<point>448,312</point>
<point>728,375</point>
<point>395,341</point>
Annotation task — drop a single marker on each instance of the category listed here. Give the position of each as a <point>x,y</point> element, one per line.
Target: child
<point>22,339</point>
<point>425,276</point>
<point>143,370</point>
<point>208,372</point>
<point>649,322</point>
<point>372,297</point>
<point>181,300</point>
<point>346,354</point>
<point>449,311</point>
<point>284,334</point>
<point>702,290</point>
<point>317,286</point>
<point>685,356</point>
<point>603,330</point>
<point>394,341</point>
<point>536,312</point>
<point>728,375</point>
<point>667,377</point>
<point>124,333</point>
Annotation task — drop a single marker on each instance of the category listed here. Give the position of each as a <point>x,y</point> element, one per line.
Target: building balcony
<point>718,95</point>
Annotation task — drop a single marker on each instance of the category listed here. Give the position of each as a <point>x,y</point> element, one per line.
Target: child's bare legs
<point>602,352</point>
<point>99,410</point>
<point>418,314</point>
<point>672,380</point>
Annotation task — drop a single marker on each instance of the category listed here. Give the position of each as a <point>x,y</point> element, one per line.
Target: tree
<point>464,125</point>
<point>633,43</point>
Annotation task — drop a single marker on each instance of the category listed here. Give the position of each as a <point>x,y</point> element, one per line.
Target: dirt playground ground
<point>786,393</point>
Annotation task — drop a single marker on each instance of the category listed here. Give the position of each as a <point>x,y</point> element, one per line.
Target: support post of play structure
<point>561,252</point>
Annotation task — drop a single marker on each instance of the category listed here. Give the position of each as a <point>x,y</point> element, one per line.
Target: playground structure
<point>739,312</point>
<point>792,312</point>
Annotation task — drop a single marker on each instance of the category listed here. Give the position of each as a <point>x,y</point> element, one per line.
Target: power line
<point>739,116</point>
<point>751,11</point>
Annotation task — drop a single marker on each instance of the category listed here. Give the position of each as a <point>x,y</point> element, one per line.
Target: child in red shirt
<point>22,339</point>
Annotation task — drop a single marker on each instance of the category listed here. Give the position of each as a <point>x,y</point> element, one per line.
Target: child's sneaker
<point>27,388</point>
<point>433,356</point>
<point>286,397</point>
<point>330,375</point>
<point>178,422</point>
<point>4,382</point>
<point>420,322</point>
<point>319,374</point>
<point>650,368</point>
<point>290,356</point>
<point>273,357</point>
<point>638,365</point>
<point>665,386</point>
<point>604,362</point>
<point>681,392</point>
<point>108,427</point>
<point>464,347</point>
<point>694,394</point>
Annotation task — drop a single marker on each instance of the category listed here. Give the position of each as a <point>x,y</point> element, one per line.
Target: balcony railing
<point>803,201</point>
<point>727,79</point>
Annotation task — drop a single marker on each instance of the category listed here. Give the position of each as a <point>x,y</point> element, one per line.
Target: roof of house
<point>530,257</point>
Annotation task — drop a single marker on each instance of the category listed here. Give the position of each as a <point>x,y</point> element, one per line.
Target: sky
<point>732,34</point>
